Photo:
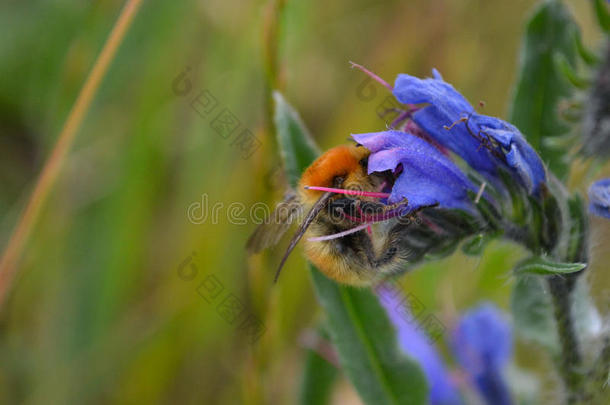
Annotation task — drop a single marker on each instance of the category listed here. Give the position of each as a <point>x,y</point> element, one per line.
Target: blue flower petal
<point>376,141</point>
<point>516,159</point>
<point>436,74</point>
<point>427,177</point>
<point>520,156</point>
<point>599,198</point>
<point>482,344</point>
<point>446,107</point>
<point>415,344</point>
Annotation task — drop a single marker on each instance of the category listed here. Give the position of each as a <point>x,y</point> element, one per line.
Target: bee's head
<point>340,167</point>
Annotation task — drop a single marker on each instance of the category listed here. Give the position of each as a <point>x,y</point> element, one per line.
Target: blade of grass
<point>274,11</point>
<point>50,171</point>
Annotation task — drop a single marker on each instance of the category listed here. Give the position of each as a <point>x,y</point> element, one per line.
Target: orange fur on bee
<point>341,161</point>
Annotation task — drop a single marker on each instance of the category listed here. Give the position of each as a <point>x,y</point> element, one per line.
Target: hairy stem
<point>597,386</point>
<point>570,362</point>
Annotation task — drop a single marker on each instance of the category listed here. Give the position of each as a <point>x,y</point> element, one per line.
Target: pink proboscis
<point>368,228</point>
<point>349,192</point>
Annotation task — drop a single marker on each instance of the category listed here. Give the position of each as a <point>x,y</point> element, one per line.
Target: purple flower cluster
<point>481,343</point>
<point>488,144</point>
<point>424,173</point>
<point>599,198</point>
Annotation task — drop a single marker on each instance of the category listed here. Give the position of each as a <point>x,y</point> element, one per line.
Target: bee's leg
<point>369,208</point>
<point>407,241</point>
<point>377,211</point>
<point>413,217</point>
<point>402,203</point>
<point>394,247</point>
<point>373,261</point>
<point>390,250</point>
<point>368,211</point>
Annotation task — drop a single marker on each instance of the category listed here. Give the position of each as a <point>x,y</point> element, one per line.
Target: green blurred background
<point>99,313</point>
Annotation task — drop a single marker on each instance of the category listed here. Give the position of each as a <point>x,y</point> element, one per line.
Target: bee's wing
<point>271,231</point>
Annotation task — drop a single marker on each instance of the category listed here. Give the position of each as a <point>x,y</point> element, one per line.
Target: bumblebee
<point>349,233</point>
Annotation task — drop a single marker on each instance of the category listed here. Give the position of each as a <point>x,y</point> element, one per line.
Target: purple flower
<point>599,198</point>
<point>482,344</point>
<point>486,143</point>
<point>424,175</point>
<point>415,344</point>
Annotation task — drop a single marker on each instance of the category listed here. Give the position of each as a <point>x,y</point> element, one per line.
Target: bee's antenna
<point>313,213</point>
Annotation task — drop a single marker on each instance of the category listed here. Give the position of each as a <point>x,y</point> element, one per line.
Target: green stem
<point>597,387</point>
<point>565,234</point>
<point>570,362</point>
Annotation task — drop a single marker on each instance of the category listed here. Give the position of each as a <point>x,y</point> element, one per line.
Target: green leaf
<point>545,267</point>
<point>588,56</point>
<point>297,148</point>
<point>532,310</point>
<point>367,346</point>
<point>319,377</point>
<point>550,32</point>
<point>359,328</point>
<point>570,74</point>
<point>602,14</point>
<point>475,245</point>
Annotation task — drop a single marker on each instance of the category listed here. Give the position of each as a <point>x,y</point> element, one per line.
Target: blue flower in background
<point>443,391</point>
<point>425,176</point>
<point>482,344</point>
<point>485,143</point>
<point>599,198</point>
